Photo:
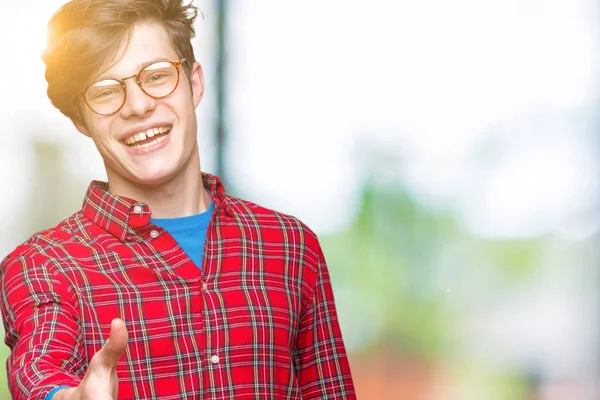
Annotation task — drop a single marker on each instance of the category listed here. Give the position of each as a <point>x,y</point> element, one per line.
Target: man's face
<point>171,120</point>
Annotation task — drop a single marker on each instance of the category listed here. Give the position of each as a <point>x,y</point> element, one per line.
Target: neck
<point>181,196</point>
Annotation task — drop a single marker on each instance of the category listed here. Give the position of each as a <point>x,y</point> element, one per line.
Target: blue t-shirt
<point>189,232</point>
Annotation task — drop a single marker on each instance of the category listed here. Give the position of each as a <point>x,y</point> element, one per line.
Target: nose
<point>137,103</point>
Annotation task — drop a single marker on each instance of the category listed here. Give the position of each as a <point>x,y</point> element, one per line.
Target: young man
<point>162,286</point>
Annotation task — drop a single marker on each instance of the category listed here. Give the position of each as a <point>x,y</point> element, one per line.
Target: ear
<point>81,127</point>
<point>197,83</point>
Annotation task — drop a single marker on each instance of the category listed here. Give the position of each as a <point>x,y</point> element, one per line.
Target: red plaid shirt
<point>256,322</point>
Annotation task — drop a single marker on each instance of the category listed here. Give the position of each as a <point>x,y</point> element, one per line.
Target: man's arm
<point>46,342</point>
<point>323,368</point>
<point>41,330</point>
<point>100,381</point>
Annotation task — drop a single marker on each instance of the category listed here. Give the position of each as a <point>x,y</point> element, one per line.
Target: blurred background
<point>446,153</point>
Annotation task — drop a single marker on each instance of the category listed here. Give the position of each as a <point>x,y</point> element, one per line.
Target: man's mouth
<point>147,138</point>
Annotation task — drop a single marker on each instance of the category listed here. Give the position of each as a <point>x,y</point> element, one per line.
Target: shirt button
<point>214,359</point>
<point>204,286</point>
<point>137,209</point>
<point>154,234</point>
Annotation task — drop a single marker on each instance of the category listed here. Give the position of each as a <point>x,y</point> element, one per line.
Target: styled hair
<point>85,35</point>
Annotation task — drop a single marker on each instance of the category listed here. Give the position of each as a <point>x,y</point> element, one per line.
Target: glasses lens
<point>105,97</point>
<point>159,79</point>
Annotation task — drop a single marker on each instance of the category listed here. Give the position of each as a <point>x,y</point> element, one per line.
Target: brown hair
<point>84,35</point>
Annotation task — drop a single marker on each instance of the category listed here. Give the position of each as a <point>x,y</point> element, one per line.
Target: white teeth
<point>150,133</point>
<point>157,140</point>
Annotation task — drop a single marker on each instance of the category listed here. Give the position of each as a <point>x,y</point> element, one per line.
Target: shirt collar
<point>127,218</point>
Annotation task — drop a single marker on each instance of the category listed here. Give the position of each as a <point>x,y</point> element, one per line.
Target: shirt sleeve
<point>323,368</point>
<point>40,321</point>
<point>50,395</point>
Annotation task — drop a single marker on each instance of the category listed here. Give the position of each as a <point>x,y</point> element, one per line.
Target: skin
<point>167,179</point>
<point>100,381</point>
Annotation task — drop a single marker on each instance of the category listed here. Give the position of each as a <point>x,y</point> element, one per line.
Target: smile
<point>147,138</point>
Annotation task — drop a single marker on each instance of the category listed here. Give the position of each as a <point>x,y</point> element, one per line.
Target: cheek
<point>183,109</point>
<point>102,136</point>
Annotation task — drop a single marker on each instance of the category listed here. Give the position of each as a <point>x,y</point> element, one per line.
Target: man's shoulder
<point>252,214</point>
<point>43,240</point>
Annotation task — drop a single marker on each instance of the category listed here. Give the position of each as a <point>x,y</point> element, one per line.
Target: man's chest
<point>243,305</point>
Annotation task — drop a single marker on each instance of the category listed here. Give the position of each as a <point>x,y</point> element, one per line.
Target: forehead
<point>149,42</point>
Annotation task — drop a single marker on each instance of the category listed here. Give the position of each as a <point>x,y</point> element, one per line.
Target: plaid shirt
<point>256,322</point>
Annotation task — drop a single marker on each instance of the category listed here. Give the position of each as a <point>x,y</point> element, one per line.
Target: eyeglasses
<point>157,80</point>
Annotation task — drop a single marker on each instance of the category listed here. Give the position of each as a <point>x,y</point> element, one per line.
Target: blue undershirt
<point>190,233</point>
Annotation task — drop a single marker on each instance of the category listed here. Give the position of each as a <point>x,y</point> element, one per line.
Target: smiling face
<point>148,141</point>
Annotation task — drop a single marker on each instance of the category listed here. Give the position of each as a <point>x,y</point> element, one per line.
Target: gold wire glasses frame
<point>156,80</point>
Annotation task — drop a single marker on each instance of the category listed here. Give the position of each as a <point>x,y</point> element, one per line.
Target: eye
<point>156,78</point>
<point>105,93</point>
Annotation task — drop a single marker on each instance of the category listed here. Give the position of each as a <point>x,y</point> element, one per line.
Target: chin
<point>156,178</point>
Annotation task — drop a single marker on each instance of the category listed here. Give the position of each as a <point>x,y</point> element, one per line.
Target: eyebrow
<point>138,68</point>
